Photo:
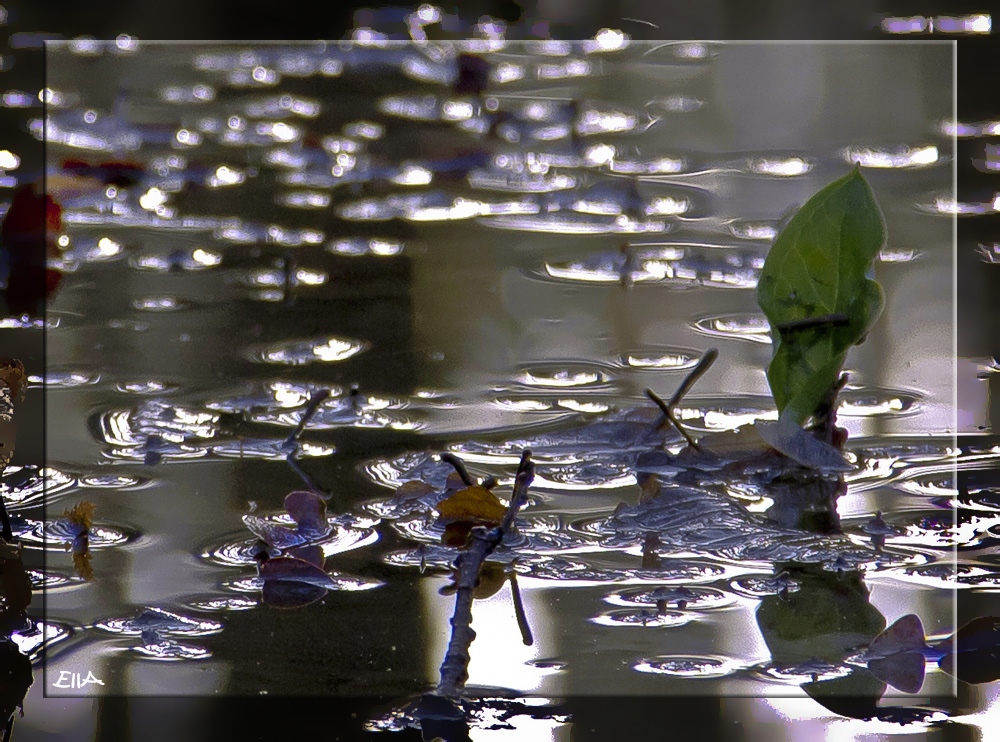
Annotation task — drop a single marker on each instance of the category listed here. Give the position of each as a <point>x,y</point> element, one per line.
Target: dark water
<point>486,273</point>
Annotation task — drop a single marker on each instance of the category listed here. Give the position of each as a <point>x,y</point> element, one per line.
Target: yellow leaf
<point>82,514</point>
<point>473,504</point>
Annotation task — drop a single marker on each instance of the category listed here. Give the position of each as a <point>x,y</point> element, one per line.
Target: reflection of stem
<point>522,619</point>
<point>459,466</point>
<point>6,411</point>
<point>310,482</point>
<point>314,402</point>
<point>454,668</point>
<point>650,555</point>
<point>293,441</point>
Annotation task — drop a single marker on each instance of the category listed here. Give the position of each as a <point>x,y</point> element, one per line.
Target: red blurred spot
<point>30,232</point>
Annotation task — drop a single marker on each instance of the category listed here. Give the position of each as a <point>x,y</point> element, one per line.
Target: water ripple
<point>301,352</point>
<point>24,486</point>
<point>690,666</point>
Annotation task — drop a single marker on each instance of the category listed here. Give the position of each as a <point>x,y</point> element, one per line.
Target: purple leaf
<point>906,635</point>
<point>308,510</point>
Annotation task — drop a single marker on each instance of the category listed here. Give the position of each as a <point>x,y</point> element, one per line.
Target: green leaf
<point>821,266</point>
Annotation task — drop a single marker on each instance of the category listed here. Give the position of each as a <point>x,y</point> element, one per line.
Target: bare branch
<point>455,667</point>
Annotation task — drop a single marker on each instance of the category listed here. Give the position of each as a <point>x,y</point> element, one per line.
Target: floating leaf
<point>82,514</point>
<point>466,509</point>
<point>818,291</point>
<point>308,510</point>
<point>801,446</point>
<point>473,504</point>
<point>905,635</point>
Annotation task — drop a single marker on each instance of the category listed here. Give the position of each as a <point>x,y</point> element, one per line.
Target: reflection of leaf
<point>17,678</point>
<point>292,583</point>
<point>412,490</point>
<point>800,445</point>
<point>817,267</point>
<point>291,594</point>
<point>15,585</point>
<point>81,563</point>
<point>824,619</point>
<point>903,671</point>
<point>288,569</point>
<point>312,554</point>
<point>492,576</point>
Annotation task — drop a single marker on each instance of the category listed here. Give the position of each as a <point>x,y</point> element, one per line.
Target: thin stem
<point>292,442</point>
<point>669,412</point>
<point>704,363</point>
<point>459,466</point>
<point>454,668</point>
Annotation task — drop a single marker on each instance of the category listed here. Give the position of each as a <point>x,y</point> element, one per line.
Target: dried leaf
<point>12,374</point>
<point>412,490</point>
<point>82,514</point>
<point>472,505</point>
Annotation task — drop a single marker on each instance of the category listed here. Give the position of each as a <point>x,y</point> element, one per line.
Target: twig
<point>704,363</point>
<point>454,668</point>
<point>459,466</point>
<point>668,407</point>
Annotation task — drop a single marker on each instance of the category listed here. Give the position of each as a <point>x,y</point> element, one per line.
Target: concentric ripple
<point>689,666</point>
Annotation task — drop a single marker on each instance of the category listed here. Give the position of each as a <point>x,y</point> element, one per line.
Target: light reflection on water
<point>428,256</point>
